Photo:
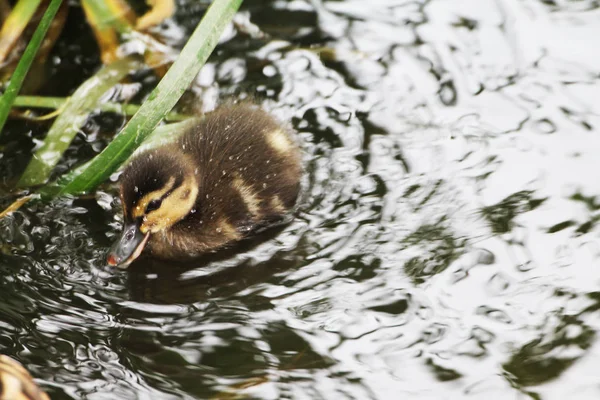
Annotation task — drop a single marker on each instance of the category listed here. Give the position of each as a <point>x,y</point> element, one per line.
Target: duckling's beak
<point>128,247</point>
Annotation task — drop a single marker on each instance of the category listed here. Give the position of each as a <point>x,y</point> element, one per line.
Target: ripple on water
<point>445,246</point>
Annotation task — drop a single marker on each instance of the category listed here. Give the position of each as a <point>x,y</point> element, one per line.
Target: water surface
<point>447,246</point>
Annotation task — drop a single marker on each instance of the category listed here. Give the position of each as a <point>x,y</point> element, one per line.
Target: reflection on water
<point>446,247</point>
<point>217,274</point>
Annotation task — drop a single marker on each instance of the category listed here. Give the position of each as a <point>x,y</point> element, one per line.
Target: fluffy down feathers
<point>235,172</point>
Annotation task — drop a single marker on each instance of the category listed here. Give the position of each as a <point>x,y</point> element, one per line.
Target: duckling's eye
<point>153,205</point>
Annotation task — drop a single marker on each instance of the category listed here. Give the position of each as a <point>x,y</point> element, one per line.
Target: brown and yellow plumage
<point>235,172</point>
<point>16,383</point>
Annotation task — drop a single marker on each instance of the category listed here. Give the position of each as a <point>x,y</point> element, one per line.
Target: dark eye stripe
<point>154,205</point>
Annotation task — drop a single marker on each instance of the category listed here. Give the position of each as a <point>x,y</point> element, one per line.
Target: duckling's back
<point>248,170</point>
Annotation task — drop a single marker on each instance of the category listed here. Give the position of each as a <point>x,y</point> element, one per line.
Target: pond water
<point>447,246</point>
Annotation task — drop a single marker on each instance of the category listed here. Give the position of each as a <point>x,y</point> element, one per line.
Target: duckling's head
<point>158,189</point>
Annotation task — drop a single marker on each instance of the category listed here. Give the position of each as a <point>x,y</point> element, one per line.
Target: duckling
<point>234,173</point>
<point>16,383</point>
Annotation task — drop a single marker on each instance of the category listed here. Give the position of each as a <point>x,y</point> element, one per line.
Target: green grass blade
<point>160,102</point>
<point>59,102</point>
<point>76,110</point>
<point>39,102</point>
<point>16,81</point>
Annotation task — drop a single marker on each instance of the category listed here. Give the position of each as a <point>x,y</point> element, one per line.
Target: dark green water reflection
<point>447,246</point>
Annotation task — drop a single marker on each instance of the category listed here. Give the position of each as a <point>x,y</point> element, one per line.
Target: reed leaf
<point>15,24</point>
<point>159,11</point>
<point>59,103</point>
<point>16,81</point>
<point>159,103</point>
<point>109,19</point>
<point>75,112</point>
<point>109,14</point>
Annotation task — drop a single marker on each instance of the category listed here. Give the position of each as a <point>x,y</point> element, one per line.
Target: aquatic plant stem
<point>39,102</point>
<point>109,19</point>
<point>58,102</point>
<point>75,112</point>
<point>160,9</point>
<point>16,81</point>
<point>15,24</point>
<point>162,99</point>
<point>109,14</point>
<point>15,205</point>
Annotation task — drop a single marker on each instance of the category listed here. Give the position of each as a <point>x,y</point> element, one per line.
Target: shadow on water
<point>164,282</point>
<point>267,347</point>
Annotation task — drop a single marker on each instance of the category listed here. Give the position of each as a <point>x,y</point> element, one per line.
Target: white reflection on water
<point>518,110</point>
<point>447,248</point>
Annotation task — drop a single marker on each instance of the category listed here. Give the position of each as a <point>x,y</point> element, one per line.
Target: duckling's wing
<point>254,227</point>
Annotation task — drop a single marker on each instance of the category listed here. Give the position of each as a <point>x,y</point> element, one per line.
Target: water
<point>446,247</point>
